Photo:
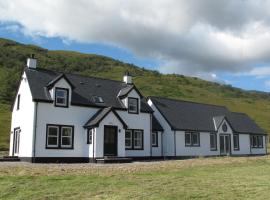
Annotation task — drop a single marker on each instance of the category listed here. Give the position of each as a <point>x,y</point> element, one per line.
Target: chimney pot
<point>32,62</point>
<point>127,78</point>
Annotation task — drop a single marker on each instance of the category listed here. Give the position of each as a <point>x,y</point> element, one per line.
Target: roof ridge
<point>180,100</point>
<point>73,74</point>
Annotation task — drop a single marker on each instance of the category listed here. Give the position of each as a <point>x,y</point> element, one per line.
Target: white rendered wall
<point>110,120</point>
<point>260,150</point>
<point>137,121</point>
<point>168,134</point>
<point>157,151</point>
<point>73,115</point>
<point>23,118</point>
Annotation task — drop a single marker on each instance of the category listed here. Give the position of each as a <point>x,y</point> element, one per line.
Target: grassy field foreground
<point>205,178</point>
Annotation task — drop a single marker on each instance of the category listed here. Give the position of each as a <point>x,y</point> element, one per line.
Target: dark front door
<point>110,140</point>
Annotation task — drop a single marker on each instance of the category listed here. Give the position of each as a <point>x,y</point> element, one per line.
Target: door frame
<point>230,151</point>
<point>116,139</point>
<point>16,141</point>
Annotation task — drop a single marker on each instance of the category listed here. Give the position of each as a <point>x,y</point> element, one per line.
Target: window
<point>235,141</point>
<point>256,141</point>
<point>224,127</point>
<point>97,99</point>
<point>61,97</point>
<point>128,139</point>
<point>59,137</point>
<point>192,139</point>
<point>18,102</point>
<point>134,139</point>
<point>155,139</point>
<point>138,139</point>
<point>53,135</point>
<point>90,136</point>
<point>133,105</point>
<point>213,141</point>
<point>66,137</point>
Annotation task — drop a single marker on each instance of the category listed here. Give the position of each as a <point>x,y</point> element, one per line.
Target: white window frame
<point>213,147</point>
<point>130,139</point>
<point>139,132</point>
<point>131,101</point>
<point>155,140</point>
<point>90,136</point>
<point>62,136</point>
<point>66,93</point>
<point>48,135</point>
<point>236,142</point>
<point>190,135</point>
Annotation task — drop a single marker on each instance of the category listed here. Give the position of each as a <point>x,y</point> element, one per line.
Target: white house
<point>61,117</point>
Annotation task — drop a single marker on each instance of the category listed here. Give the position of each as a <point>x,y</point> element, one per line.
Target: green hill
<point>13,56</point>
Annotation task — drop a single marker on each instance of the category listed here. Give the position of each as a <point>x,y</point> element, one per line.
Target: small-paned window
<point>90,136</point>
<point>192,139</point>
<point>155,139</point>
<point>134,139</point>
<point>59,136</point>
<point>98,99</point>
<point>133,105</point>
<point>61,97</point>
<point>235,141</point>
<point>66,137</point>
<point>256,141</point>
<point>128,139</point>
<point>52,136</point>
<point>213,141</point>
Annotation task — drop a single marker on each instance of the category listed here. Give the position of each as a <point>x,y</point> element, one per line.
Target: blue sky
<point>161,36</point>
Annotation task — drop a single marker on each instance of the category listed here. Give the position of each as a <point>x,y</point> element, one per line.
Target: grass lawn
<point>204,178</point>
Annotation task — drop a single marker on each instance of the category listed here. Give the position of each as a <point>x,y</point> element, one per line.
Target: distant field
<point>209,178</point>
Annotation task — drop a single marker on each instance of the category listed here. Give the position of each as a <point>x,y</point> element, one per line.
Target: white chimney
<point>32,62</point>
<point>127,78</point>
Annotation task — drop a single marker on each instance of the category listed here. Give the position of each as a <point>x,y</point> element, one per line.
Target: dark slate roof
<point>100,115</point>
<point>184,115</point>
<point>84,88</point>
<point>156,125</point>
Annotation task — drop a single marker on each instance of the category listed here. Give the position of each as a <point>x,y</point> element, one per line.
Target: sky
<point>225,41</point>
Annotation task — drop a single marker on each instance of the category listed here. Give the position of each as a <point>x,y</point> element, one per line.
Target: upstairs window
<point>133,105</point>
<point>61,97</point>
<point>18,102</point>
<point>235,141</point>
<point>192,139</point>
<point>97,99</point>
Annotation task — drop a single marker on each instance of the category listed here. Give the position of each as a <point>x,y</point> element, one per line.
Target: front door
<point>225,144</point>
<point>16,142</point>
<point>110,140</point>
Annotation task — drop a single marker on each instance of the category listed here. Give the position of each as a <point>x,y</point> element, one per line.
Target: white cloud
<point>198,38</point>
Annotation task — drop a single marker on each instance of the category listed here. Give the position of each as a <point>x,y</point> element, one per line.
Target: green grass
<point>214,178</point>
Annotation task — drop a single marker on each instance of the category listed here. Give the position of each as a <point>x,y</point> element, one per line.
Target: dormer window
<point>133,105</point>
<point>98,99</point>
<point>61,97</point>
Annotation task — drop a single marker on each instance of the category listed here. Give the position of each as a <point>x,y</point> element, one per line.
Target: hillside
<point>13,57</point>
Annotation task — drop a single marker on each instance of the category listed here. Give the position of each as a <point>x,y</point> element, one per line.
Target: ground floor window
<point>192,139</point>
<point>154,139</point>
<point>256,141</point>
<point>90,133</point>
<point>134,139</point>
<point>59,136</point>
<point>213,141</point>
<point>235,141</point>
